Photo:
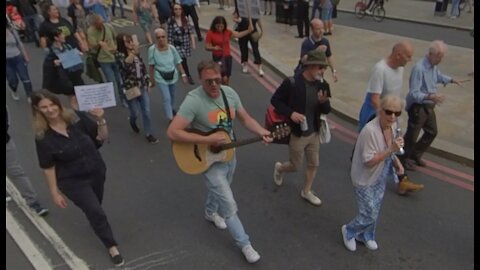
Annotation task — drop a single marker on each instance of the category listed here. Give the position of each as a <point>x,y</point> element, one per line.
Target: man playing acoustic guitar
<point>206,108</point>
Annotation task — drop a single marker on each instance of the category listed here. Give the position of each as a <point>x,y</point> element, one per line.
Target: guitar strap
<point>227,108</point>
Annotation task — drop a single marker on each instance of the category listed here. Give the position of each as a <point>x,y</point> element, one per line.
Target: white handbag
<point>324,131</point>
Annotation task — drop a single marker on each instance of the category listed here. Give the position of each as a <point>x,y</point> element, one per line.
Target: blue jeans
<point>220,199</point>
<point>143,102</point>
<point>168,95</point>
<point>455,11</point>
<point>315,7</point>
<point>112,74</point>
<point>17,65</point>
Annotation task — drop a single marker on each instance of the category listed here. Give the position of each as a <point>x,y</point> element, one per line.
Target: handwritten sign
<point>95,96</point>
<point>247,8</point>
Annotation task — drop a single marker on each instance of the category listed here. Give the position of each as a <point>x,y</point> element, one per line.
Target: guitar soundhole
<point>195,152</point>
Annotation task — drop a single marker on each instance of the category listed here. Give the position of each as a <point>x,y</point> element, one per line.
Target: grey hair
<point>390,99</point>
<point>158,30</point>
<point>437,46</point>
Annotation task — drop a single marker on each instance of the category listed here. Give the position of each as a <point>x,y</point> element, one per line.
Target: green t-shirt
<point>206,113</point>
<point>94,37</point>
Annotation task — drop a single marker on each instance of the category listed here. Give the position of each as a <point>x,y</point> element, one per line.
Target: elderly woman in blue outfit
<point>164,66</point>
<point>374,161</point>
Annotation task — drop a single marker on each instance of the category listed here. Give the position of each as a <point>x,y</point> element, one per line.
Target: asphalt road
<point>156,211</point>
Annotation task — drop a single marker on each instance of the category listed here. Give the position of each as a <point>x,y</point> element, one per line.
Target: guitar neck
<point>240,143</point>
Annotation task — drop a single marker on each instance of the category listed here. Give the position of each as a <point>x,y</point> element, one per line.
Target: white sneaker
<point>15,96</point>
<point>368,12</point>
<point>349,244</point>
<point>277,176</point>
<point>370,244</point>
<point>244,68</point>
<point>311,198</point>
<point>217,220</point>
<point>260,72</point>
<point>250,254</point>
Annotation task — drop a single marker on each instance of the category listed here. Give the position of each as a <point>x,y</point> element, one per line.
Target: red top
<point>217,39</point>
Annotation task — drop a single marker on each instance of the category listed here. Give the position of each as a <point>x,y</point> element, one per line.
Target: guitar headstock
<point>280,131</point>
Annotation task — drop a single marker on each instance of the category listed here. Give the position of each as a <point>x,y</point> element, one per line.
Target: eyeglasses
<point>388,112</point>
<point>212,82</point>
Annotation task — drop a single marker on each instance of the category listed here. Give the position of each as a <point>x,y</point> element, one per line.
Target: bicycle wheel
<point>378,14</point>
<point>360,9</point>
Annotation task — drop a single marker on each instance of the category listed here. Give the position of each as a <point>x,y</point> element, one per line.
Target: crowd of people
<point>67,140</point>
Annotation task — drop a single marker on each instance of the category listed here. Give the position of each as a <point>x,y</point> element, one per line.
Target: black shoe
<point>40,210</point>
<point>408,165</point>
<point>191,81</point>
<point>200,39</point>
<point>265,13</point>
<point>270,13</point>
<point>117,260</point>
<point>151,139</point>
<point>327,33</point>
<point>298,36</point>
<point>134,127</point>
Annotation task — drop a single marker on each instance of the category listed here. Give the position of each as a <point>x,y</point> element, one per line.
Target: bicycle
<point>377,11</point>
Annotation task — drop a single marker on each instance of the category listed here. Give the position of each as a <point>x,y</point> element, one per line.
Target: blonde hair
<point>40,122</point>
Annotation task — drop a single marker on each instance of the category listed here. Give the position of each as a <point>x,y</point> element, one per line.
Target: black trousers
<point>420,117</point>
<point>87,194</point>
<point>243,43</point>
<point>185,66</point>
<point>189,10</point>
<point>303,20</point>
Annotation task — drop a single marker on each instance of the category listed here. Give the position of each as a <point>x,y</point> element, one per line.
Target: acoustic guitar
<point>195,158</point>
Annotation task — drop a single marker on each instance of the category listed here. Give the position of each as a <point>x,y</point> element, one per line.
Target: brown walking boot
<point>406,185</point>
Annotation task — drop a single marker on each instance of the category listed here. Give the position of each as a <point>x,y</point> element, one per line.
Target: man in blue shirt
<point>421,101</point>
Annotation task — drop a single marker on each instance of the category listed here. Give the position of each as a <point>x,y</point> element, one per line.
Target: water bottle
<point>304,124</point>
<point>401,151</point>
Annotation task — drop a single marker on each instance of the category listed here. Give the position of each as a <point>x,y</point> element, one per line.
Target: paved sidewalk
<point>355,52</point>
<point>421,11</point>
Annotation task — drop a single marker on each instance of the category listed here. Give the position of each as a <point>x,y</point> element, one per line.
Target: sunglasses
<point>212,82</point>
<point>388,112</point>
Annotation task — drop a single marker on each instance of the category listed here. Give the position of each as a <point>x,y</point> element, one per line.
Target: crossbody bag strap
<point>103,39</point>
<point>227,110</point>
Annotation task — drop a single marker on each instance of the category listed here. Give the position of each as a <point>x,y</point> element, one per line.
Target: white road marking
<point>63,250</point>
<point>33,254</point>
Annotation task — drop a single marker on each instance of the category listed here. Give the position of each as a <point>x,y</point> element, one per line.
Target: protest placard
<point>95,96</point>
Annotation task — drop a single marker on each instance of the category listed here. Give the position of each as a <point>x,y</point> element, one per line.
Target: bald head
<point>402,53</point>
<point>317,28</point>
